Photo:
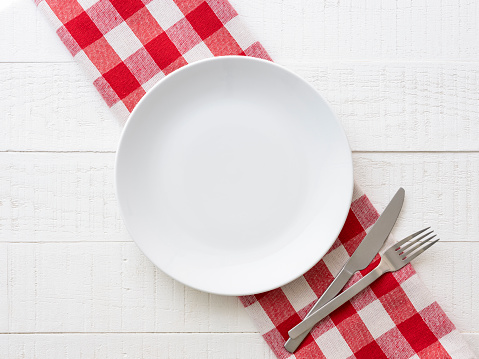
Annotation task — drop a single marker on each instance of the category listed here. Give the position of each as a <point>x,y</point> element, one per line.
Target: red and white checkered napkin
<point>395,317</point>
<point>126,46</point>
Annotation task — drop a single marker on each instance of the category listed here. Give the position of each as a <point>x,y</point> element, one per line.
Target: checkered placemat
<point>126,46</point>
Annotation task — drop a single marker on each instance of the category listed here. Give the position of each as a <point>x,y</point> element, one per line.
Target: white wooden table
<point>403,77</point>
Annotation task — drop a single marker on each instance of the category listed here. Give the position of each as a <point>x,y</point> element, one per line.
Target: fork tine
<point>404,254</point>
<point>407,245</point>
<point>419,251</point>
<point>400,243</point>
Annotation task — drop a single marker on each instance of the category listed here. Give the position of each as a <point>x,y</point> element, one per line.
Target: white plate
<point>233,175</point>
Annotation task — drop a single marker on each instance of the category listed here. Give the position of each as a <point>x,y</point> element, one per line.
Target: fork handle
<point>339,282</point>
<point>309,322</point>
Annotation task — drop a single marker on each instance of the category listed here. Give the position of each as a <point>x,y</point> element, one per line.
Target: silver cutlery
<point>396,257</point>
<point>360,259</point>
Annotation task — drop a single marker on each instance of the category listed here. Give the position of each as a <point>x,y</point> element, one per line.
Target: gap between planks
<point>354,151</point>
<point>155,333</point>
<point>138,333</point>
<point>130,241</point>
<point>328,60</point>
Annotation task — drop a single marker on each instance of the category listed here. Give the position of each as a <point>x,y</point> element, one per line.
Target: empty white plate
<point>233,175</point>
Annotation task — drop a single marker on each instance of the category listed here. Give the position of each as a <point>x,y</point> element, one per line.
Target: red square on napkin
<point>127,8</point>
<point>204,20</point>
<point>83,30</point>
<point>419,338</point>
<point>162,50</point>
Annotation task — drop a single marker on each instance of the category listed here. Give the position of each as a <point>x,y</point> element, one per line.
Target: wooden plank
<point>27,36</point>
<point>364,30</point>
<point>4,304</point>
<point>58,197</point>
<point>70,196</point>
<point>401,106</point>
<point>145,346</point>
<point>107,287</point>
<point>50,107</point>
<point>473,341</point>
<point>214,313</point>
<point>112,287</point>
<point>294,30</point>
<point>441,190</point>
<point>384,106</point>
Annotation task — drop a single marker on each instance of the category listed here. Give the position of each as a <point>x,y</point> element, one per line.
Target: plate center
<point>234,182</point>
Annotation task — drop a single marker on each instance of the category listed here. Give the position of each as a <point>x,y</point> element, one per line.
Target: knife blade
<point>360,259</point>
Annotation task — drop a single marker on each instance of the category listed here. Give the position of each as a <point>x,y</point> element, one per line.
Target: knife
<point>360,259</point>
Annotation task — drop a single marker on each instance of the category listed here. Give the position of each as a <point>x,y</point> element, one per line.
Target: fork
<point>395,257</point>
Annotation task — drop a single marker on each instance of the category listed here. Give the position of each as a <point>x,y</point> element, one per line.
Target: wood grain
<point>401,106</point>
<point>441,190</point>
<point>59,197</point>
<point>4,292</point>
<point>364,30</point>
<point>107,287</point>
<point>395,106</point>
<point>70,197</point>
<point>26,35</point>
<point>145,346</point>
<point>112,287</point>
<point>299,30</point>
<point>53,107</point>
<point>473,340</point>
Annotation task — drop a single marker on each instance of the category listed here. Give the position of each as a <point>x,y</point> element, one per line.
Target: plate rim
<point>187,67</point>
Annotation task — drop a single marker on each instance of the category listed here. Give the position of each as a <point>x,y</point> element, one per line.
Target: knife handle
<point>334,288</point>
<point>308,323</point>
